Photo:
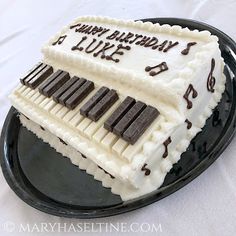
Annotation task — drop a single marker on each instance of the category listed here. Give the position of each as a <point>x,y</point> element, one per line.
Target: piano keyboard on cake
<point>97,112</point>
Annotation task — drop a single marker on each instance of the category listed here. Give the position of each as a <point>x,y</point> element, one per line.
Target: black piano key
<point>56,84</point>
<point>138,127</point>
<point>129,117</point>
<point>34,71</point>
<point>80,94</point>
<point>49,80</point>
<point>40,77</point>
<point>65,96</point>
<point>64,88</point>
<point>93,101</point>
<point>103,105</point>
<point>115,117</point>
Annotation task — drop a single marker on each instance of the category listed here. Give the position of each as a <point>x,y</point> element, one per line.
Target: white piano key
<point>56,109</point>
<point>21,89</point>
<point>131,150</point>
<point>83,124</point>
<point>72,113</point>
<point>119,146</point>
<point>25,92</point>
<point>50,105</point>
<point>35,96</point>
<point>45,102</point>
<point>39,99</point>
<point>61,113</point>
<point>96,125</point>
<point>100,134</point>
<point>109,140</point>
<point>76,119</point>
<point>30,94</point>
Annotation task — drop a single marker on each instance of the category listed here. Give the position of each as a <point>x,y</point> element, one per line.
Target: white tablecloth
<point>206,206</point>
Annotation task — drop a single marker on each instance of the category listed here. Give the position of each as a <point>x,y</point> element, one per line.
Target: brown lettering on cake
<point>77,47</point>
<point>88,48</point>
<point>88,29</point>
<point>137,36</point>
<point>143,41</point>
<point>161,68</point>
<point>147,171</point>
<point>190,90</point>
<point>103,32</point>
<point>60,40</point>
<point>120,37</point>
<point>151,42</point>
<point>211,79</point>
<point>117,52</point>
<point>113,35</point>
<point>96,30</point>
<point>127,37</point>
<point>74,26</point>
<point>102,51</point>
<point>171,45</point>
<point>189,124</point>
<point>160,46</point>
<point>186,50</point>
<point>166,143</point>
<point>81,28</point>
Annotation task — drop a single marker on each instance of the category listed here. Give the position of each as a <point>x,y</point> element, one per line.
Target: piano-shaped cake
<point>122,99</point>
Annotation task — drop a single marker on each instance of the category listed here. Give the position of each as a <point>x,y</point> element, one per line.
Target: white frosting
<point>164,91</point>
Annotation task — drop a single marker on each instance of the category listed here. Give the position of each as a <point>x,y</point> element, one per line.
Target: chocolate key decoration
<point>37,75</point>
<point>137,128</point>
<point>79,95</point>
<point>129,117</point>
<point>54,82</point>
<point>103,105</point>
<point>64,88</point>
<point>119,113</point>
<point>65,96</point>
<point>93,101</point>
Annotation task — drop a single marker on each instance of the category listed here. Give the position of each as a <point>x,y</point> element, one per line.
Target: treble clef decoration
<point>211,79</point>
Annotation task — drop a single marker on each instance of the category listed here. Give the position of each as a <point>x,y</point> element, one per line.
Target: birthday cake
<point>122,99</point>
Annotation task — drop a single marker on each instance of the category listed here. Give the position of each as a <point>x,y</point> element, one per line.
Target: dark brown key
<point>32,73</point>
<point>115,117</point>
<point>64,88</point>
<point>103,105</point>
<point>56,84</point>
<point>138,127</point>
<point>65,96</point>
<point>49,80</point>
<point>129,117</point>
<point>40,77</point>
<point>80,94</point>
<point>93,101</point>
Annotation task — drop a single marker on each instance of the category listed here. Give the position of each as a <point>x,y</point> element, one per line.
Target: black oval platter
<point>49,182</point>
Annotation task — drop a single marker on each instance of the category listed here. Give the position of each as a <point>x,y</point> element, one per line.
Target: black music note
<point>187,93</point>
<point>211,79</point>
<point>60,40</point>
<point>162,67</point>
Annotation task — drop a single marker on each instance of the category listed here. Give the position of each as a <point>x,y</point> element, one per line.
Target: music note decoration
<point>211,79</point>
<point>162,67</point>
<point>189,90</point>
<point>60,40</point>
<point>147,171</point>
<point>166,143</point>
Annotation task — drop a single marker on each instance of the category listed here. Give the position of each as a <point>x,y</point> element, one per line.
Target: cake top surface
<point>149,50</point>
<point>158,60</point>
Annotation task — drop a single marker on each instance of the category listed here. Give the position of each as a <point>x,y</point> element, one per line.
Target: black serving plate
<point>51,183</point>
